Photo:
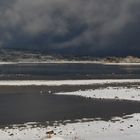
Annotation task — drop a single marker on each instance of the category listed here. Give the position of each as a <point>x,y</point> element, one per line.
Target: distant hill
<point>22,56</point>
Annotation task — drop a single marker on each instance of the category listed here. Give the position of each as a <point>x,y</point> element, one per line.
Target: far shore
<point>67,62</point>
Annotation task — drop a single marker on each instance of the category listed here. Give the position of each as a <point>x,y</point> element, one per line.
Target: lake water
<point>69,71</point>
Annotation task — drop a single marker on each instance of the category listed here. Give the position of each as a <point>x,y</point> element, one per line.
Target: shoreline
<point>64,82</point>
<point>58,89</point>
<point>68,62</point>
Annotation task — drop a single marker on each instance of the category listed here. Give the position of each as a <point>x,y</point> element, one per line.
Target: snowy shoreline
<point>117,128</point>
<point>68,62</point>
<point>64,82</point>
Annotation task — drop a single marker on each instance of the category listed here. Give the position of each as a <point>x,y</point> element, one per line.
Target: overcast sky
<point>80,27</point>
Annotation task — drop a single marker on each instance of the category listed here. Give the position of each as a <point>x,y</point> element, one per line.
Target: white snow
<point>102,130</point>
<point>53,138</point>
<point>109,93</point>
<point>64,82</point>
<point>126,128</point>
<point>122,64</point>
<point>31,61</point>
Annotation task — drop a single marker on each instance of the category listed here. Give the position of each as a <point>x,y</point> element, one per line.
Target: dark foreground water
<point>21,108</point>
<point>69,71</point>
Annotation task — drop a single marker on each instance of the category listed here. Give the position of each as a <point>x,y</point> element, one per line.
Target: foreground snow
<point>53,138</point>
<point>63,82</point>
<point>109,93</point>
<point>126,128</point>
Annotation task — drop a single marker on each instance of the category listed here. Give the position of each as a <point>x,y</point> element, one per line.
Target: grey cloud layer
<point>80,26</point>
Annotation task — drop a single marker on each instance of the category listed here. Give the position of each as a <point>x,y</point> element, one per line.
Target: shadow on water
<point>22,108</point>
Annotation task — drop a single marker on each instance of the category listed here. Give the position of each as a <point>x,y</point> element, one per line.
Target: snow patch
<point>122,93</point>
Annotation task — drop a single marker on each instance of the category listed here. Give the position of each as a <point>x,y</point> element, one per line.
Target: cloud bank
<point>80,27</point>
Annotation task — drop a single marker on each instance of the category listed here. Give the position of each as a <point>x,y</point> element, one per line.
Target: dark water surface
<point>69,71</point>
<point>21,108</point>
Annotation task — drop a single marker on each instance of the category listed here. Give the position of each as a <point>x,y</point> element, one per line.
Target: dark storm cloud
<point>95,27</point>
